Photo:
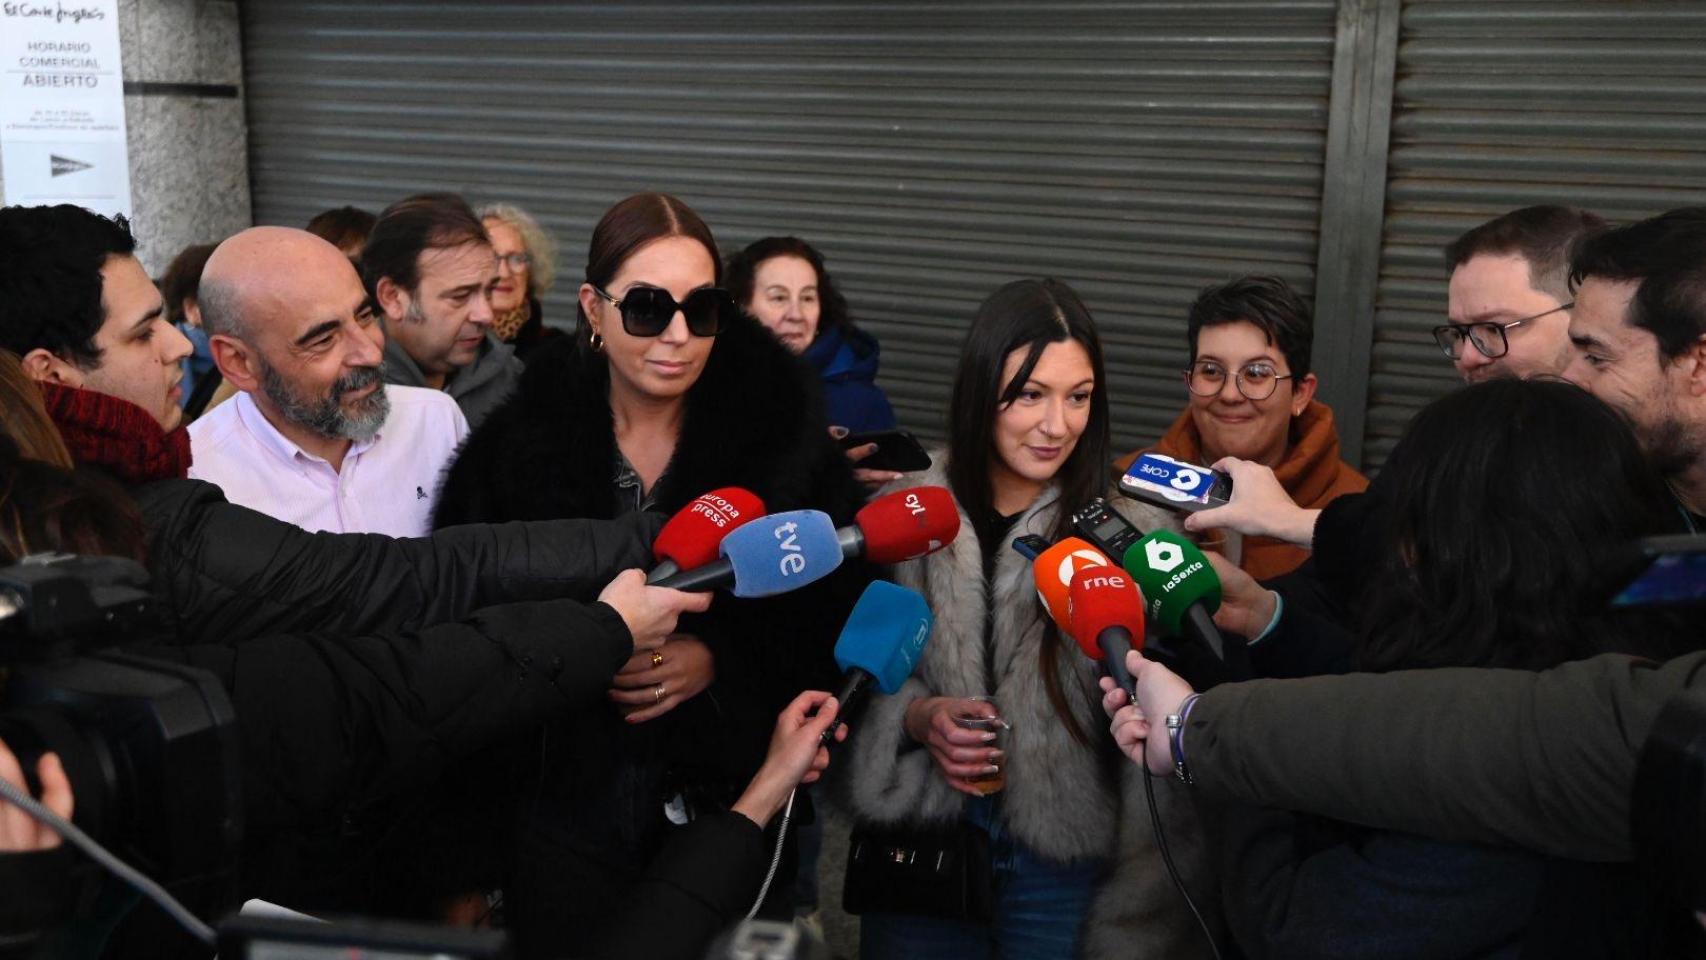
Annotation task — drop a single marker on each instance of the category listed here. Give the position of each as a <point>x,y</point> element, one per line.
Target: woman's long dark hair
<point>1499,510</point>
<point>743,266</point>
<point>1027,315</point>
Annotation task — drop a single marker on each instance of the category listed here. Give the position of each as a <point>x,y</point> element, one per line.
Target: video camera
<point>150,746</point>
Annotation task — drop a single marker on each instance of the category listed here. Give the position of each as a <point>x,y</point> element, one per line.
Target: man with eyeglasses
<point>430,269</point>
<point>1252,396</point>
<point>1509,299</point>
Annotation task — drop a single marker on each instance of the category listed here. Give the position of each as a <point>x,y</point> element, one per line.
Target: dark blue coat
<point>846,359</point>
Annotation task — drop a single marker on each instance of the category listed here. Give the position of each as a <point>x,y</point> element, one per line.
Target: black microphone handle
<point>1199,626</point>
<point>718,573</point>
<point>662,571</point>
<point>1116,643</point>
<point>852,693</point>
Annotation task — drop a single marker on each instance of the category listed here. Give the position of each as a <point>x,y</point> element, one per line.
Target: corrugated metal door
<point>1502,105</point>
<point>932,150</point>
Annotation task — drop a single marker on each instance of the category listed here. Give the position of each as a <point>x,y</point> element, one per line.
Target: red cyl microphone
<point>1106,610</point>
<point>903,525</point>
<point>691,537</point>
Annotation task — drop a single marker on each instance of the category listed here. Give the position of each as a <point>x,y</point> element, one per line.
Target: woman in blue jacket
<point>782,282</point>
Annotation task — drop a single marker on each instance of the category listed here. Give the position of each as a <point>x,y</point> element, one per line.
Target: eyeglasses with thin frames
<point>1256,381</point>
<point>1490,338</point>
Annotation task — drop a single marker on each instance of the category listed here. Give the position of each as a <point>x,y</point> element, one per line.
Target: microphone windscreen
<point>1053,569</point>
<point>690,538</point>
<point>1103,597</point>
<point>1173,574</point>
<point>885,634</point>
<point>907,524</point>
<point>781,552</point>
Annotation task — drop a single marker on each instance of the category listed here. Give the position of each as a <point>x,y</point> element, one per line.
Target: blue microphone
<point>880,644</point>
<point>770,555</point>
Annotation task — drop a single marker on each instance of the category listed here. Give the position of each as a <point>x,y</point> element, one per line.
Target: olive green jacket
<point>1544,761</point>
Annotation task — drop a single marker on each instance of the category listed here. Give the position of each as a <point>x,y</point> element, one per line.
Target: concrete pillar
<point>189,153</point>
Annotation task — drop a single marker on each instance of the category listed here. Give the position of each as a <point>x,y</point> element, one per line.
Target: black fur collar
<point>754,419</point>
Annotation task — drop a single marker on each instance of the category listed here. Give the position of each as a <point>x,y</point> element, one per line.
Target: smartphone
<point>897,450</point>
<point>1664,571</point>
<point>1174,484</point>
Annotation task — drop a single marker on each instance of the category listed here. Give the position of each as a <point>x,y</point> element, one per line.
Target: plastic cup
<point>965,719</point>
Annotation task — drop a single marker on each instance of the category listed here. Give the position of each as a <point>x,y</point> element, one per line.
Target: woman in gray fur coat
<point>1072,864</point>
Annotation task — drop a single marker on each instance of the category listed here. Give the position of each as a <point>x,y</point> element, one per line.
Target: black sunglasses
<point>648,311</point>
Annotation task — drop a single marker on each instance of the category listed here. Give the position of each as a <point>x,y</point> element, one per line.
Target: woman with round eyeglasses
<point>665,391</point>
<point>527,267</point>
<point>1252,398</point>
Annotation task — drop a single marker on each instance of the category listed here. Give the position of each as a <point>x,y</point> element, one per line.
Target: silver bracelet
<point>1176,737</point>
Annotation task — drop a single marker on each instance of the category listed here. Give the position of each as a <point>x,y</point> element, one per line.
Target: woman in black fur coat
<point>644,408</point>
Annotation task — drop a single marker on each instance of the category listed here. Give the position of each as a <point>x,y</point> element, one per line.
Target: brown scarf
<point>506,325</point>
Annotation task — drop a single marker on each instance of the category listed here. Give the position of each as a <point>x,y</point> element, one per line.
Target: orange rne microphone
<point>1053,570</point>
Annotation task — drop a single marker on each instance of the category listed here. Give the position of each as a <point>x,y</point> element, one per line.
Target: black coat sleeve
<point>231,574</point>
<point>1305,643</point>
<point>332,724</point>
<point>702,882</point>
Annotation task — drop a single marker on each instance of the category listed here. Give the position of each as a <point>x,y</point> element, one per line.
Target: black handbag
<point>926,871</point>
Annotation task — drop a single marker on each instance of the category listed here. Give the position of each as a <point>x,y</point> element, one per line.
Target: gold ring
<point>657,659</point>
<point>657,694</point>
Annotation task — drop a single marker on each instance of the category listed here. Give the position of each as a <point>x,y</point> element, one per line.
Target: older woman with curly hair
<point>527,266</point>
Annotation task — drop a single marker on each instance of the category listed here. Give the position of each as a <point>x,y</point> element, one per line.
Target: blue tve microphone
<point>770,555</point>
<point>880,643</point>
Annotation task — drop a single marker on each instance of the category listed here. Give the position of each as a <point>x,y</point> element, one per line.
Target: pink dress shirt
<point>387,485</point>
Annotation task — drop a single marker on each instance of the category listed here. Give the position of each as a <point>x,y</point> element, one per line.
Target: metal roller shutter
<point>932,150</point>
<point>1502,105</point>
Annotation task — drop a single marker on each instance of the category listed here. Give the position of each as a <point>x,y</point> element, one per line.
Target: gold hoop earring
<point>596,341</point>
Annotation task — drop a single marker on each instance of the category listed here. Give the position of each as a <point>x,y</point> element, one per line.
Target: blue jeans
<point>1039,908</point>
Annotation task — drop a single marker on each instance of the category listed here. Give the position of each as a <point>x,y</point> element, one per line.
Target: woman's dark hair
<point>45,505</point>
<point>743,266</point>
<point>631,224</point>
<point>183,277</point>
<point>1027,315</point>
<point>47,509</point>
<point>1497,511</point>
<point>343,227</point>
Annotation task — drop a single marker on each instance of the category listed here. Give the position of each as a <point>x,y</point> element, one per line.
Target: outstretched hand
<point>797,755</point>
<point>1259,507</point>
<point>1160,692</point>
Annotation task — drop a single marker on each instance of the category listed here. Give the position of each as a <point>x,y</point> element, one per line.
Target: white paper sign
<point>62,135</point>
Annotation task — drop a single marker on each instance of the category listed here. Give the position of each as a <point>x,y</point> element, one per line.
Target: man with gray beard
<point>314,437</point>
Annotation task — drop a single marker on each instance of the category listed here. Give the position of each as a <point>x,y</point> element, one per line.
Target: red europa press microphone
<point>691,537</point>
<point>1053,570</point>
<point>1106,611</point>
<point>903,525</point>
